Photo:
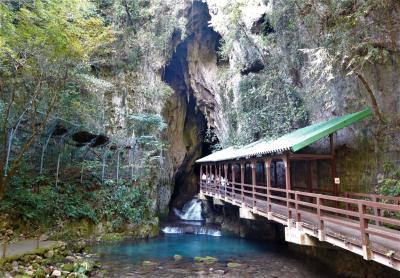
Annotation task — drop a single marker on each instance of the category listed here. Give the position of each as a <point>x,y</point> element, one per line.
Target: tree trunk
<point>2,186</point>
<point>128,14</point>
<point>4,248</point>
<point>372,97</point>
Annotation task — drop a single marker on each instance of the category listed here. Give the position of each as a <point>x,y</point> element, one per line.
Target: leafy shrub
<point>35,201</point>
<point>390,187</point>
<point>45,205</point>
<point>145,124</point>
<point>121,204</point>
<point>269,107</point>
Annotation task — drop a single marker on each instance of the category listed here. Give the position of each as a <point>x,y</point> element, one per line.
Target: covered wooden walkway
<point>271,180</point>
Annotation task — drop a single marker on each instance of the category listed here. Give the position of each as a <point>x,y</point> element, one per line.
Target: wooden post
<point>377,212</point>
<point>288,183</point>
<point>208,186</point>
<point>321,228</point>
<point>309,177</point>
<point>226,176</point>
<point>347,205</point>
<point>220,166</point>
<point>214,173</point>
<point>364,235</point>
<point>242,180</point>
<point>233,179</point>
<point>268,179</point>
<point>333,165</point>
<point>253,181</point>
<point>201,176</point>
<point>298,216</point>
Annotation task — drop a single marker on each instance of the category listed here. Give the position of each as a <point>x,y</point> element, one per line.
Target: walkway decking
<point>365,227</point>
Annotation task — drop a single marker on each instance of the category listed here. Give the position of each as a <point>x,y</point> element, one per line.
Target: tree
<point>44,45</point>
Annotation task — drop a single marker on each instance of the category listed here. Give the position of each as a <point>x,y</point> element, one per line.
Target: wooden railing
<point>373,197</point>
<point>359,217</point>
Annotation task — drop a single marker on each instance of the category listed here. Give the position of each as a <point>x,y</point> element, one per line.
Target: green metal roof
<point>293,141</point>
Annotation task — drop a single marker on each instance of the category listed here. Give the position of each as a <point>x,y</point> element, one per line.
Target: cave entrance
<point>186,117</point>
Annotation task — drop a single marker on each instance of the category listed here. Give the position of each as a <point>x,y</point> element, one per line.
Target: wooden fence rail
<point>371,222</point>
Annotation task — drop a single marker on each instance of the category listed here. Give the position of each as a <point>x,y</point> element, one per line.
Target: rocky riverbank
<point>178,266</point>
<point>61,260</point>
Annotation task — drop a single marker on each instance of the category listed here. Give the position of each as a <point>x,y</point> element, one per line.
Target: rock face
<point>214,85</point>
<point>268,39</point>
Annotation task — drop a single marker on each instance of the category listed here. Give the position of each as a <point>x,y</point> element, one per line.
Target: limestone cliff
<point>294,53</point>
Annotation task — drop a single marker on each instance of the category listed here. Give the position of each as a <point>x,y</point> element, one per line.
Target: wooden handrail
<point>327,208</point>
<point>372,196</point>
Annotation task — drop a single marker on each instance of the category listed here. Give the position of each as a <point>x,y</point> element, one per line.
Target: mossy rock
<point>28,258</point>
<point>49,254</point>
<point>177,258</point>
<point>205,260</point>
<point>84,266</point>
<point>76,275</point>
<point>35,266</point>
<point>149,263</point>
<point>234,265</point>
<point>68,267</point>
<point>79,246</point>
<point>113,237</point>
<point>40,273</point>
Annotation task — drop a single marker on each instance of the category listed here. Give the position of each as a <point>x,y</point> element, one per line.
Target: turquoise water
<point>257,259</point>
<point>186,245</point>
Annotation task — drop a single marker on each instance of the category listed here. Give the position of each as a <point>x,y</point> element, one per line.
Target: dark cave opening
<point>177,75</point>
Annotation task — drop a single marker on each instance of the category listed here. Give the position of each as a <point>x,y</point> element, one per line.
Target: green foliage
<point>147,124</point>
<point>48,31</point>
<point>36,202</point>
<point>44,48</point>
<point>390,187</point>
<point>268,106</point>
<point>121,204</point>
<point>43,205</point>
<point>43,45</point>
<point>348,29</point>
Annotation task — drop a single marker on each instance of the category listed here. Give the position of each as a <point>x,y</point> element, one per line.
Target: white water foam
<point>190,211</point>
<point>197,231</point>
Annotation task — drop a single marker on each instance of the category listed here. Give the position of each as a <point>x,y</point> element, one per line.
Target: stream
<point>236,257</point>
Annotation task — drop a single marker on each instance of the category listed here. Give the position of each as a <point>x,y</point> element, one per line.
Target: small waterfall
<point>209,231</point>
<point>103,169</point>
<point>173,230</point>
<point>191,230</point>
<point>10,141</point>
<point>118,156</point>
<point>190,211</point>
<point>46,143</point>
<point>130,163</point>
<point>61,146</point>
<point>161,159</point>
